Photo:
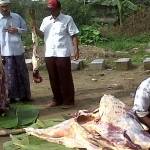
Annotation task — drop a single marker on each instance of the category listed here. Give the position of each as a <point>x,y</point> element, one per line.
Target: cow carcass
<point>113,126</point>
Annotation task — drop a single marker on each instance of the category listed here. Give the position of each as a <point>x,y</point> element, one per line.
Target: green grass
<point>122,43</point>
<point>139,56</point>
<point>134,46</point>
<point>112,41</point>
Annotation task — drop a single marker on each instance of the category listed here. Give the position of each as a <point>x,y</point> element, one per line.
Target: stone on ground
<point>97,64</point>
<point>123,64</point>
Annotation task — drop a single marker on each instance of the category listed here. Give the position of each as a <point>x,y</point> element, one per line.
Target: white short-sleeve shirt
<point>57,35</point>
<point>142,99</point>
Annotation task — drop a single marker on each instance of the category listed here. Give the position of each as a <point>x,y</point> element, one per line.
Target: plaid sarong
<point>17,77</point>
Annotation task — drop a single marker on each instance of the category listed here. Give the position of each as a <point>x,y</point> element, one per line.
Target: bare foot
<point>52,104</point>
<point>67,106</point>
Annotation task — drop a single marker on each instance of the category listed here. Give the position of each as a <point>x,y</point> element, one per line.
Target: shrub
<point>90,35</point>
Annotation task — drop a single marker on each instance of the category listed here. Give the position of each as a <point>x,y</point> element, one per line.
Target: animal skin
<point>110,127</point>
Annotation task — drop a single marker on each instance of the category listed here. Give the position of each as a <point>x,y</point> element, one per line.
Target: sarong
<point>3,93</point>
<point>17,77</point>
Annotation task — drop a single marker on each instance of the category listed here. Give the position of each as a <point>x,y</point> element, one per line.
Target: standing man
<point>4,104</point>
<point>142,102</point>
<point>11,27</point>
<point>60,36</point>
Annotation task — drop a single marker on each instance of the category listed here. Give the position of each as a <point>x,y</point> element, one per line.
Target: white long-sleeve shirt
<point>11,44</point>
<point>57,35</point>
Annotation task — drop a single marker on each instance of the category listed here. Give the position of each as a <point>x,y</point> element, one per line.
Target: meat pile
<point>111,127</point>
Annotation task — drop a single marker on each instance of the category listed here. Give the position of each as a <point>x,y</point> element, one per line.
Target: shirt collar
<point>1,16</point>
<point>58,17</point>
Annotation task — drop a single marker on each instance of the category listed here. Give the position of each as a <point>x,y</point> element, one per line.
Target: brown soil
<point>90,86</point>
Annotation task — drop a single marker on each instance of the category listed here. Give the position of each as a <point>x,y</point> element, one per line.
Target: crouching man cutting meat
<point>142,102</point>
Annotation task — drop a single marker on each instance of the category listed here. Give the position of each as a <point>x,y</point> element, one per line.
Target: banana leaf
<point>24,142</point>
<point>19,116</point>
<point>9,120</point>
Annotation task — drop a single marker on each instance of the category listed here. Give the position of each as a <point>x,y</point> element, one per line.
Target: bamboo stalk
<point>7,132</point>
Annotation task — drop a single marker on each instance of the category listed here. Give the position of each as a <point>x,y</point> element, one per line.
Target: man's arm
<point>75,44</point>
<point>17,29</point>
<point>23,26</point>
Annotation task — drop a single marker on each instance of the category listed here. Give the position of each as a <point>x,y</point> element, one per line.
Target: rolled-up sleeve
<point>23,27</point>
<point>142,101</point>
<point>72,28</point>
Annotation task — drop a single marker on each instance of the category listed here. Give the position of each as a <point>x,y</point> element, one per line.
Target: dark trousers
<point>59,70</point>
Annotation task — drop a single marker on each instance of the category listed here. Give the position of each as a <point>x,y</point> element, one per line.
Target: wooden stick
<point>7,132</point>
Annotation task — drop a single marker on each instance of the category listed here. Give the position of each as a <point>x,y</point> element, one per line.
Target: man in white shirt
<point>60,36</point>
<point>12,26</point>
<point>142,102</point>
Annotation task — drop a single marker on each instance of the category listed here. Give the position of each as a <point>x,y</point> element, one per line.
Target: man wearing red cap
<point>60,36</point>
<point>53,4</point>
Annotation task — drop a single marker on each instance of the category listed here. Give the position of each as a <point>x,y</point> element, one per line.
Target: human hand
<point>12,30</point>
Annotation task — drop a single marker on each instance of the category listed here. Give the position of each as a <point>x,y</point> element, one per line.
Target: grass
<point>113,40</point>
<point>124,43</point>
<point>133,46</point>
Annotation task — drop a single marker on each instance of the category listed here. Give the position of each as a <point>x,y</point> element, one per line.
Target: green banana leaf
<point>25,142</point>
<point>19,116</point>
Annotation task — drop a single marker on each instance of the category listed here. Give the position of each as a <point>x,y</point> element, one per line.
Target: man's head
<point>5,7</point>
<point>54,7</point>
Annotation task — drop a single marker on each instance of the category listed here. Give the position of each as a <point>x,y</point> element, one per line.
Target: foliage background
<point>99,22</point>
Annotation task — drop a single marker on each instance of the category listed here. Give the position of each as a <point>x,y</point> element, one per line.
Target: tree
<point>121,5</point>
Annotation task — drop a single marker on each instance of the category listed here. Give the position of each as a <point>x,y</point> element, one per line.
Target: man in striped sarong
<point>12,26</point>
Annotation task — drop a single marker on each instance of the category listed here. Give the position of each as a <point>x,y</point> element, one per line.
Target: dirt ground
<point>90,86</point>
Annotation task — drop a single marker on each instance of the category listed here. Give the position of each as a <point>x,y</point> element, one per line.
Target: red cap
<point>53,4</point>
